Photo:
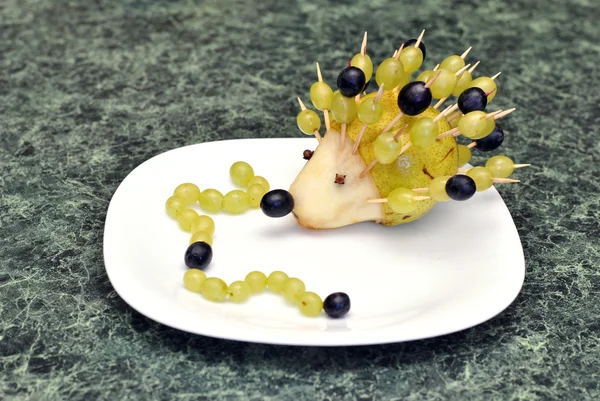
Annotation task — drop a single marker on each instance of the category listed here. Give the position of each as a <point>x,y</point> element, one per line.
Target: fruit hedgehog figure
<point>397,153</point>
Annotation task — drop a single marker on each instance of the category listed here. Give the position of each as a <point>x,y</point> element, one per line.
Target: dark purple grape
<point>414,98</point>
<point>460,187</point>
<point>337,304</point>
<point>490,142</point>
<point>472,99</point>
<point>198,255</point>
<point>412,42</point>
<point>351,81</point>
<point>277,203</point>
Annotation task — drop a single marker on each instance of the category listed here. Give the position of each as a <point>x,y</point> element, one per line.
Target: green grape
<point>425,76</point>
<point>308,122</point>
<point>405,80</point>
<point>275,281</point>
<point>238,291</point>
<point>213,289</point>
<point>236,201</point>
<point>310,304</point>
<point>486,84</point>
<point>454,123</point>
<point>464,155</point>
<point>490,124</point>
<point>363,61</point>
<point>386,148</point>
<point>241,173</point>
<point>186,218</point>
<point>257,281</point>
<point>443,85</point>
<point>321,95</point>
<point>204,223</point>
<point>400,200</point>
<point>370,112</point>
<point>453,63</point>
<point>482,176</point>
<point>188,193</point>
<point>257,179</point>
<point>437,189</point>
<point>201,236</point>
<point>423,132</point>
<point>462,83</point>
<point>500,166</point>
<point>343,109</point>
<point>193,278</point>
<point>174,205</point>
<point>292,289</point>
<point>390,73</point>
<point>472,125</point>
<point>411,58</point>
<point>211,200</point>
<point>255,194</point>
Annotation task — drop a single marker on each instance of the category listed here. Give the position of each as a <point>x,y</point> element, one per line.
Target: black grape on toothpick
<point>460,187</point>
<point>351,81</point>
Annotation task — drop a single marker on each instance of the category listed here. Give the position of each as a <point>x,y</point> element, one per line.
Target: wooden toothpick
<point>364,126</point>
<point>504,113</point>
<point>363,47</point>
<point>466,53</point>
<point>453,131</point>
<point>462,70</point>
<point>325,111</point>
<point>385,200</point>
<point>474,66</point>
<point>420,38</point>
<point>496,76</point>
<point>431,80</point>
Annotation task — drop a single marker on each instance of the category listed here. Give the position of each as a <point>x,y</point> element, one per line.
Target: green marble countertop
<point>90,89</point>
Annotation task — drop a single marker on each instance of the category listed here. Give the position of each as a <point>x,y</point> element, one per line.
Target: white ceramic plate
<point>458,266</point>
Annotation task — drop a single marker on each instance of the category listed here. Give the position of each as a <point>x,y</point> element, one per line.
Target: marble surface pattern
<point>90,89</point>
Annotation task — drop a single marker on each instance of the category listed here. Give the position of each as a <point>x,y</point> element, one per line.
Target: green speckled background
<point>90,89</point>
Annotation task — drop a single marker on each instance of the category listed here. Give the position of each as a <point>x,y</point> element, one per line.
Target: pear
<point>323,202</point>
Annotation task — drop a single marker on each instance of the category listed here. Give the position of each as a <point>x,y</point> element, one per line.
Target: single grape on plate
<point>337,305</point>
<point>198,255</point>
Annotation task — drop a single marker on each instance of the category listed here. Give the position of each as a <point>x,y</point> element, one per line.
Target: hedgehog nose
<point>277,203</point>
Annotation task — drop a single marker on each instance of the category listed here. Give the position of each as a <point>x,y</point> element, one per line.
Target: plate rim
<point>273,340</point>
